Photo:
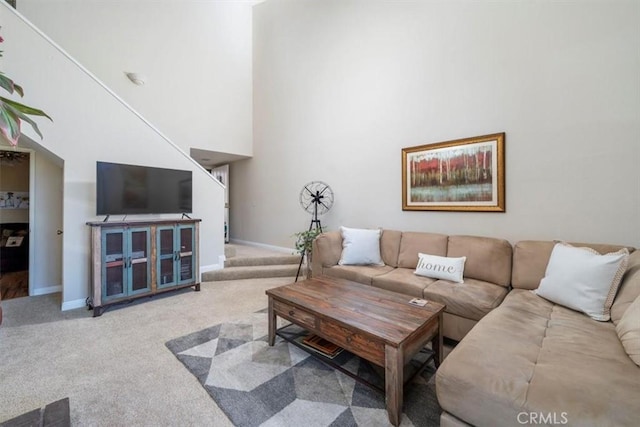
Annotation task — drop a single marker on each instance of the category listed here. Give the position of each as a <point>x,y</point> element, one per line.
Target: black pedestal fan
<point>316,198</point>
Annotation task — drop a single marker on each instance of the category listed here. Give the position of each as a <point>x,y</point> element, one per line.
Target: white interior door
<point>46,225</point>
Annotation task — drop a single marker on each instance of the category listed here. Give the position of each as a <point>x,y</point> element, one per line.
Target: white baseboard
<point>72,305</point>
<point>212,267</point>
<point>68,305</point>
<point>46,290</point>
<point>264,246</point>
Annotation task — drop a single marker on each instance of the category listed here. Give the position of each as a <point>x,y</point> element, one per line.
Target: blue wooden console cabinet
<point>135,259</point>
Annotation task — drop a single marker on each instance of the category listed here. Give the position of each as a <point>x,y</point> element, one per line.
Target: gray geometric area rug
<point>258,385</point>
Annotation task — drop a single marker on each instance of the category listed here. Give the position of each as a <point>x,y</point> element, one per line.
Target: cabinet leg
<point>97,311</point>
<point>197,287</point>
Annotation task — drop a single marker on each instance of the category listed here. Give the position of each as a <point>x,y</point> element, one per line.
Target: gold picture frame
<point>459,175</point>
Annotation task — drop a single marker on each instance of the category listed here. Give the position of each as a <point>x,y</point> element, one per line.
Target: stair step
<point>229,251</point>
<point>251,272</point>
<point>265,260</point>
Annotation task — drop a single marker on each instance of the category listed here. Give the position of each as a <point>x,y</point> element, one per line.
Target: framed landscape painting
<point>460,175</point>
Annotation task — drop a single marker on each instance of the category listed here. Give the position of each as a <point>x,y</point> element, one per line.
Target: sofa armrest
<point>326,251</point>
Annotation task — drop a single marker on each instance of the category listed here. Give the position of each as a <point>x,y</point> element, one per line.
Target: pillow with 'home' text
<point>439,267</point>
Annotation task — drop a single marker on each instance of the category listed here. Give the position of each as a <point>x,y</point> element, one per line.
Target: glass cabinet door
<point>138,265</point>
<point>166,256</point>
<point>113,264</point>
<point>186,242</point>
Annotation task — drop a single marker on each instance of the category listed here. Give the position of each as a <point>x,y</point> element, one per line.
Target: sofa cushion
<point>390,246</point>
<point>628,330</point>
<point>414,242</point>
<point>441,267</point>
<point>402,280</point>
<point>629,288</point>
<point>472,299</point>
<point>488,259</point>
<point>535,356</point>
<point>360,247</point>
<point>530,259</point>
<point>582,279</point>
<point>329,246</point>
<point>357,273</point>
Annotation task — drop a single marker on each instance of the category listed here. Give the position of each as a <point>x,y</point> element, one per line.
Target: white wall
<point>340,87</point>
<point>196,56</point>
<point>91,123</point>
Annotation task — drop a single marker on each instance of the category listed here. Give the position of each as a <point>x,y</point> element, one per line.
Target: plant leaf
<point>18,89</point>
<point>6,83</point>
<point>9,85</point>
<point>11,113</point>
<point>24,108</point>
<point>33,124</point>
<point>9,124</point>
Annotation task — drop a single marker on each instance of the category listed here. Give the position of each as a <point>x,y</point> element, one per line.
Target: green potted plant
<point>304,240</point>
<point>12,112</point>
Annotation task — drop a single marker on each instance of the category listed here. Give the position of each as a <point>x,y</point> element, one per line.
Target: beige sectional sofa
<point>487,272</point>
<point>521,359</point>
<point>534,362</point>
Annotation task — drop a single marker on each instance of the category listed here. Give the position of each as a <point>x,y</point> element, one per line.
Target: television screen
<point>129,189</point>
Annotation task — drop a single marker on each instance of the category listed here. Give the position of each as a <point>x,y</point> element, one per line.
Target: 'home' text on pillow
<point>438,267</point>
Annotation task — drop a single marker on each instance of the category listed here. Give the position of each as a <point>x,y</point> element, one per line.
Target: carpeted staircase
<point>255,267</point>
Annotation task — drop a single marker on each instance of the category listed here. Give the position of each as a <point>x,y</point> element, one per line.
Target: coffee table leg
<point>394,383</point>
<point>437,344</point>
<point>272,323</point>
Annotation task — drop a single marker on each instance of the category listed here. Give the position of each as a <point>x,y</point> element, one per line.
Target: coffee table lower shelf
<point>293,333</point>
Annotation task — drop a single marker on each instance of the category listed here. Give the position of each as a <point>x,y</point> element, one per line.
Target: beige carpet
<point>116,369</point>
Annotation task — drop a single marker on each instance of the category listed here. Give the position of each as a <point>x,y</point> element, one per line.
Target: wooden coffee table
<point>375,324</point>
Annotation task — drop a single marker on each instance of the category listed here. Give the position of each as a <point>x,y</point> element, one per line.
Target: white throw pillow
<point>360,247</point>
<point>439,267</point>
<point>583,280</point>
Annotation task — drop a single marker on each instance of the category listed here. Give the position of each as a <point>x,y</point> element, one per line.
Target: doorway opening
<point>15,184</point>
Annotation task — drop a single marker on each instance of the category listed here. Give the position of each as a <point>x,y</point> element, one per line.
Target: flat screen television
<point>129,189</point>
